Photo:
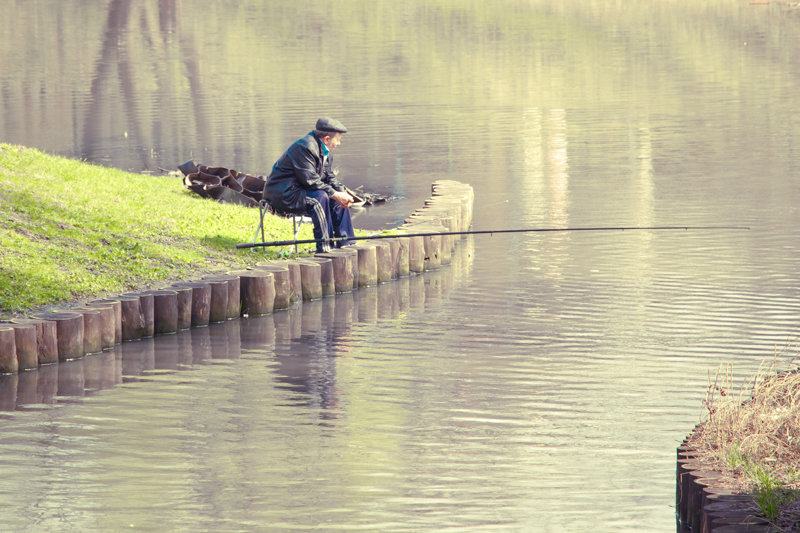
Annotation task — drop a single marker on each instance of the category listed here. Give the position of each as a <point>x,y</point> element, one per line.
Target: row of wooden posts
<point>706,505</point>
<point>50,337</point>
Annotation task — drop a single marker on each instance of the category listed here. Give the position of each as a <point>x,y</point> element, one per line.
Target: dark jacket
<point>298,170</point>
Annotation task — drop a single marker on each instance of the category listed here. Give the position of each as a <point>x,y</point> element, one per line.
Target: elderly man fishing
<point>302,181</point>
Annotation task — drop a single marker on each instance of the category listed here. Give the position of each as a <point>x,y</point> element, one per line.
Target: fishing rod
<point>485,232</point>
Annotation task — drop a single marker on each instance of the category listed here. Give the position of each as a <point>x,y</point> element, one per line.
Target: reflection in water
<point>532,187</point>
<point>557,170</point>
<point>306,362</point>
<point>138,357</point>
<point>543,198</point>
<point>306,341</point>
<point>145,452</point>
<point>644,185</point>
<point>546,386</point>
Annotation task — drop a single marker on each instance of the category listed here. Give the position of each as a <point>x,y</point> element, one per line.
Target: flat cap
<point>330,124</point>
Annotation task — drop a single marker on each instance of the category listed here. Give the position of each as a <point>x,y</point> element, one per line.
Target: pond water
<point>539,383</point>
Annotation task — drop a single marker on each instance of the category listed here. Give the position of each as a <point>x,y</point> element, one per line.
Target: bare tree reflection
<point>116,22</point>
<point>119,57</point>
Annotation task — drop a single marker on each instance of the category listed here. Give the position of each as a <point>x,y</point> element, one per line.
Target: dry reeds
<point>753,434</point>
<point>761,422</point>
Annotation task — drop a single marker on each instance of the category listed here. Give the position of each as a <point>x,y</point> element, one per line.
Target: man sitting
<point>302,181</point>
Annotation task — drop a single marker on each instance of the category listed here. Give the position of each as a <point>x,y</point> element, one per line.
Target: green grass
<point>770,493</point>
<point>71,230</point>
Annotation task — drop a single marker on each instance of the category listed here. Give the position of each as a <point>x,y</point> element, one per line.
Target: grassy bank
<point>73,230</point>
<point>752,436</point>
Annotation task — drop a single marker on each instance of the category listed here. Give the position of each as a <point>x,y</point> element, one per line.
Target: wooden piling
<point>352,260</point>
<point>69,333</point>
<point>92,329</point>
<point>132,318</point>
<point>383,258</point>
<point>327,277</point>
<point>234,308</point>
<point>703,503</point>
<point>99,327</point>
<point>455,189</point>
<point>283,282</point>
<point>433,247</point>
<point>452,206</point>
<point>296,281</point>
<point>184,301</point>
<point>394,250</point>
<point>257,291</point>
<point>432,243</point>
<point>311,279</point>
<point>201,301</point>
<point>218,308</point>
<point>148,318</point>
<point>116,306</point>
<point>46,339</point>
<point>401,259</point>
<point>342,271</point>
<point>25,341</point>
<point>441,221</point>
<point>416,254</point>
<point>8,351</point>
<point>443,192</point>
<point>367,264</point>
<point>165,311</point>
<point>108,334</point>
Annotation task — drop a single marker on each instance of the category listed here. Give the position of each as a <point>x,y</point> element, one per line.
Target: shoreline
<point>75,230</point>
<point>103,322</point>
<point>737,470</point>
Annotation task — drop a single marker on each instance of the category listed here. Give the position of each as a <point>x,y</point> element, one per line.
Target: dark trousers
<point>329,218</point>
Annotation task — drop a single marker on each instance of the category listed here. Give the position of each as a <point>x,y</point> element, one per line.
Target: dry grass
<point>753,435</point>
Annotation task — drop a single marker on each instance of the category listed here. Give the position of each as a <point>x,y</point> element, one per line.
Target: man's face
<point>332,141</point>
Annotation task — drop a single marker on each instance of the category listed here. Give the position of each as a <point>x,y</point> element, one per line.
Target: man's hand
<point>343,199</point>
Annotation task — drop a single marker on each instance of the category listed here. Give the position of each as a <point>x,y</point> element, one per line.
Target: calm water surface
<point>539,383</point>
